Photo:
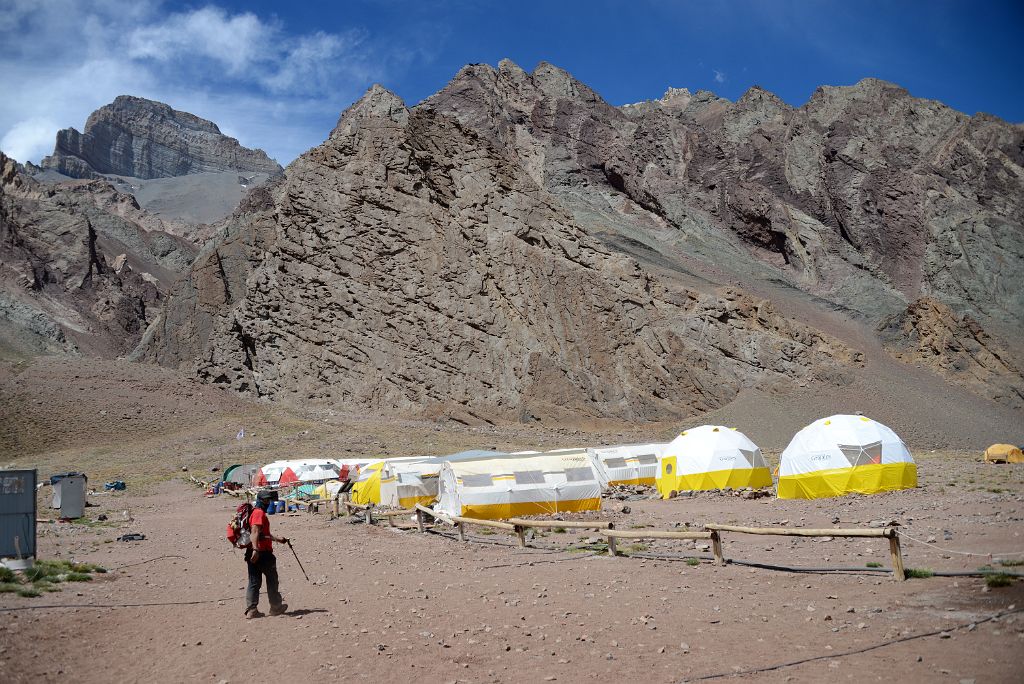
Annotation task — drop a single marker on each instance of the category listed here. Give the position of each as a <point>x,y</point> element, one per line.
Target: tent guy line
<point>833,656</point>
<point>962,553</point>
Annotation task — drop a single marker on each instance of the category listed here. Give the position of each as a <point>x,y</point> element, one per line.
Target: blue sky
<point>277,75</point>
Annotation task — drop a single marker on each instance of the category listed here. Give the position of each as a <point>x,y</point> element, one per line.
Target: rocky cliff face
<point>145,139</point>
<point>930,333</point>
<point>410,262</point>
<point>82,268</point>
<point>865,197</point>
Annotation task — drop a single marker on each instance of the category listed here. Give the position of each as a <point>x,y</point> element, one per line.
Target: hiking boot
<point>253,613</point>
<point>278,609</point>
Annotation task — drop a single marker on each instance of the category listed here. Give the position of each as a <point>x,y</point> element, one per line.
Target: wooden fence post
<point>369,515</point>
<point>419,519</point>
<point>612,550</point>
<point>716,548</point>
<point>334,508</point>
<point>898,572</point>
<point>521,533</point>
<point>462,531</point>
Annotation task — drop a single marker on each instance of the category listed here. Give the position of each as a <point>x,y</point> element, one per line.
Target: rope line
<point>831,656</point>
<point>119,605</point>
<point>903,534</point>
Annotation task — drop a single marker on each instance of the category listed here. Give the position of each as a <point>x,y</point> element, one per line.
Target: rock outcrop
<point>82,268</point>
<point>930,333</point>
<point>410,263</point>
<point>865,197</point>
<point>145,139</point>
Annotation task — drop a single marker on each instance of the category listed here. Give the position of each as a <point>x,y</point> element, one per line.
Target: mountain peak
<point>133,136</point>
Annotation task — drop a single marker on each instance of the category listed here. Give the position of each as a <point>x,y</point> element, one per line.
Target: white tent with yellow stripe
<point>845,454</point>
<point>509,486</point>
<point>635,464</point>
<point>711,457</point>
<point>405,483</point>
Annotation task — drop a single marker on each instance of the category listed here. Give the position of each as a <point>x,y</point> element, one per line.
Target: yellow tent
<point>1004,453</point>
<point>366,489</point>
<point>327,490</point>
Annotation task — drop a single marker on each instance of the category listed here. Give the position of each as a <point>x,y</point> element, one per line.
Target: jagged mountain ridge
<point>145,139</point>
<point>865,196</point>
<point>407,263</point>
<point>83,269</point>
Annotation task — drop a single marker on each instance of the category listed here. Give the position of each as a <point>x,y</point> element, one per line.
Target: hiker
<point>260,560</point>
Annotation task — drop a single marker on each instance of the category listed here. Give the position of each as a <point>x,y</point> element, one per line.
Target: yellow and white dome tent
<point>843,454</point>
<point>711,457</point>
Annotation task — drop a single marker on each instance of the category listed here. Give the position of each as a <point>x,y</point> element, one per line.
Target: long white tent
<point>517,485</point>
<point>635,464</point>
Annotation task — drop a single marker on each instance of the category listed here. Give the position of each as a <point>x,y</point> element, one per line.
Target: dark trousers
<point>266,564</point>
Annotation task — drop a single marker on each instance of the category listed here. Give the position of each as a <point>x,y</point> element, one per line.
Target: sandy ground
<point>394,605</point>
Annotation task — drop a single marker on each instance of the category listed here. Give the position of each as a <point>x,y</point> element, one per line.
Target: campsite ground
<point>393,605</point>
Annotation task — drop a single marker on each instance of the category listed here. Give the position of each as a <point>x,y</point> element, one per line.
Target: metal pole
<point>297,560</point>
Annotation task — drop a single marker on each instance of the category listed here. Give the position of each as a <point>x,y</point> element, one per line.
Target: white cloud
<point>236,42</point>
<point>29,139</point>
<point>269,87</point>
<point>719,76</point>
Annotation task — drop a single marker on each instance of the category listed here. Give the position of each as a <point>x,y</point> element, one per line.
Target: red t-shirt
<point>258,518</point>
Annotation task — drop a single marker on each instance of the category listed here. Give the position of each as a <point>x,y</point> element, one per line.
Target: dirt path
<point>392,606</point>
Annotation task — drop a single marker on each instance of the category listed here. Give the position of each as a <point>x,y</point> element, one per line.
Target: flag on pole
<point>241,434</point>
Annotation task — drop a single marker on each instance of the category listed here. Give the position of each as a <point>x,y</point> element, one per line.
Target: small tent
<point>405,483</point>
<point>366,489</point>
<point>241,474</point>
<point>328,490</point>
<point>303,471</point>
<point>1004,453</point>
<point>626,465</point>
<point>711,457</point>
<point>508,486</point>
<point>845,454</point>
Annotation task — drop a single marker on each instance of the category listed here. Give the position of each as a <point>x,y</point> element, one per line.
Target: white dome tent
<point>845,454</point>
<point>711,457</point>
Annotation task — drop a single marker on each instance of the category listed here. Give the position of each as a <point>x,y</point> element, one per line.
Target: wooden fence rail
<point>711,531</point>
<point>898,571</point>
<point>613,534</point>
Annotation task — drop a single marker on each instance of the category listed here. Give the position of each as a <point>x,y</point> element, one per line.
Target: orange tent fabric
<point>288,477</point>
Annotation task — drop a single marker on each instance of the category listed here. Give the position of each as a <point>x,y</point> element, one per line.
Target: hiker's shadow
<point>305,611</point>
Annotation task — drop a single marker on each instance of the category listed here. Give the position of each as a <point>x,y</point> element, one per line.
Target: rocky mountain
<point>144,139</point>
<point>408,263</point>
<point>516,247</point>
<point>83,269</point>
<point>865,197</point>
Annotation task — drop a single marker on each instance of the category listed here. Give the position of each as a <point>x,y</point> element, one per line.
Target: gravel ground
<point>387,604</point>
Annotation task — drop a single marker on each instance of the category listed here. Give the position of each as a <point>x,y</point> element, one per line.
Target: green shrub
<point>998,579</point>
<point>78,577</point>
<point>6,574</point>
<point>1011,563</point>
<point>919,573</point>
<point>873,564</point>
<point>693,562</point>
<point>29,592</point>
<point>559,530</point>
<point>9,587</point>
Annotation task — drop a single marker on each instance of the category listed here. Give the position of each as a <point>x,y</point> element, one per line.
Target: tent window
<point>408,478</point>
<point>524,477</point>
<point>477,481</point>
<point>579,474</point>
<point>647,459</point>
<point>616,462</point>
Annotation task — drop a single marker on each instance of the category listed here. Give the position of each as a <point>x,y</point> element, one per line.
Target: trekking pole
<point>297,560</point>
